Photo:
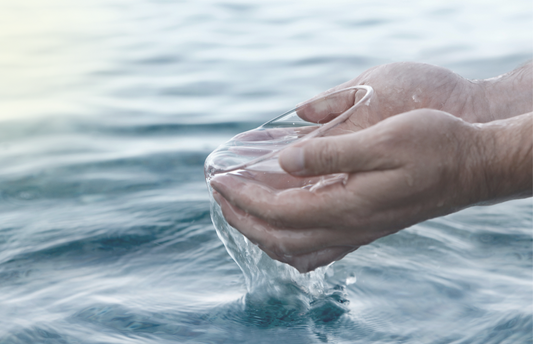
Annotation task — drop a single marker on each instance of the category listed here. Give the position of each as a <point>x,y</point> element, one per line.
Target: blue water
<point>108,110</point>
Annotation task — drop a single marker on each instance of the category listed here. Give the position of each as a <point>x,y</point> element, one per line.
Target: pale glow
<point>41,57</point>
<point>64,56</point>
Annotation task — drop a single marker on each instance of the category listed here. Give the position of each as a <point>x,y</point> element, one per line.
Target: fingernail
<point>292,159</point>
<point>218,181</point>
<point>224,184</point>
<point>217,197</point>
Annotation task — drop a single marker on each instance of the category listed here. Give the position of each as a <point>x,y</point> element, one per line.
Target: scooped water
<point>254,155</point>
<point>269,281</point>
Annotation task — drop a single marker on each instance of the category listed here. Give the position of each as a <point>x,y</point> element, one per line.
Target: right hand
<point>404,170</point>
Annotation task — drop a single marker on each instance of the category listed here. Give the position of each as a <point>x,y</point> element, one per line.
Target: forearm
<point>510,94</point>
<point>506,148</point>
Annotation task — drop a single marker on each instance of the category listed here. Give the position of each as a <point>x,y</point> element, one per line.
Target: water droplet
<point>351,279</point>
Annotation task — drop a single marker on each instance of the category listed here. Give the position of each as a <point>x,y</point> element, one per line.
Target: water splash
<point>260,271</point>
<point>254,155</point>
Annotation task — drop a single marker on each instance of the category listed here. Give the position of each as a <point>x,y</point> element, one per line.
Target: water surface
<point>108,110</point>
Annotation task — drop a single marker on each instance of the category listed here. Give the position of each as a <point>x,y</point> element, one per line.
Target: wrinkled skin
<point>394,182</point>
<point>406,162</point>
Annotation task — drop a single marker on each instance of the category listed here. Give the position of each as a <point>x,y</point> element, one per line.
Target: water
<point>107,113</point>
<point>254,155</point>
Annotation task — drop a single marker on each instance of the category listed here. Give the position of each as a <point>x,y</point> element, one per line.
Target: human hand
<point>401,171</point>
<point>406,169</point>
<point>405,86</point>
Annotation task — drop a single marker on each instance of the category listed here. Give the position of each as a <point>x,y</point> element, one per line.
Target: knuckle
<point>327,158</point>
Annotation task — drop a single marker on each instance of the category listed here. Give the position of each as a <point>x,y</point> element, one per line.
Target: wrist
<point>502,161</point>
<point>508,95</point>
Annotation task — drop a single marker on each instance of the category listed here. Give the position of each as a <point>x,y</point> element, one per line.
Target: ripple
<point>108,111</point>
<point>22,195</point>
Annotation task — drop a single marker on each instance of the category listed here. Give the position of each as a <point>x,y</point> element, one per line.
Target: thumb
<point>348,153</point>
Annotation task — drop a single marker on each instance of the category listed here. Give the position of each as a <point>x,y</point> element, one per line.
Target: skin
<point>405,86</point>
<point>433,144</point>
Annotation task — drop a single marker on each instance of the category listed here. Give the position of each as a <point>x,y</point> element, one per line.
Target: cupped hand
<point>405,86</point>
<point>403,170</point>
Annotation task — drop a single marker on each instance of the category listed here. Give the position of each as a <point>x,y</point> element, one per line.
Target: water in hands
<point>253,155</point>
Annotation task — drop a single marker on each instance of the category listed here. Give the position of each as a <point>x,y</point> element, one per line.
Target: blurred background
<point>108,109</point>
<point>224,60</point>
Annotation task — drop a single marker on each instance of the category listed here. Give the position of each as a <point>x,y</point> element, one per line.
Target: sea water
<point>108,111</point>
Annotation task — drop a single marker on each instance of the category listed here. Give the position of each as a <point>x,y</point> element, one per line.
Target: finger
<point>292,208</point>
<point>365,150</point>
<point>278,180</point>
<point>314,109</point>
<point>278,247</point>
<point>324,108</point>
<point>250,152</point>
<point>334,89</point>
<point>269,134</point>
<point>256,143</point>
<point>283,244</point>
